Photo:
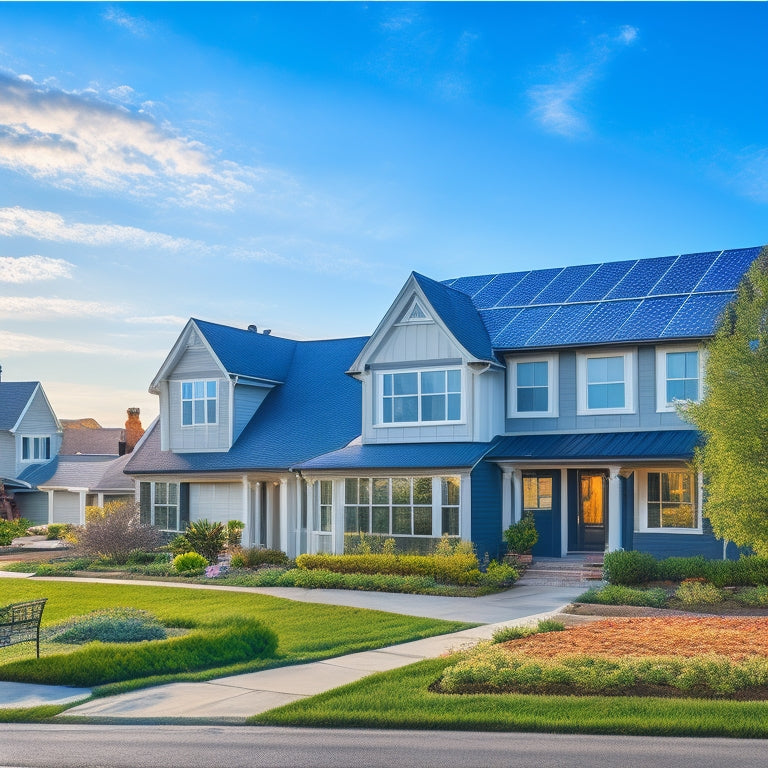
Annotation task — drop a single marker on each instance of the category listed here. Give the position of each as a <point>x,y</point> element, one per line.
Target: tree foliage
<point>733,416</point>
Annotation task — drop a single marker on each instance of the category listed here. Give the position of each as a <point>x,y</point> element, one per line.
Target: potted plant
<point>521,537</point>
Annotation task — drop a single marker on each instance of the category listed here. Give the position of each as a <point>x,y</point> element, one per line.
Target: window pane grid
<point>672,500</point>
<point>425,396</point>
<point>682,376</point>
<point>198,402</point>
<point>165,509</point>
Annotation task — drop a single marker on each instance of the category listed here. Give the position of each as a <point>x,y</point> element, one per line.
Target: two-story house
<point>554,391</point>
<point>30,436</point>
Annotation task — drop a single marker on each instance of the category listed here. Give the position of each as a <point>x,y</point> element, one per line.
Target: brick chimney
<point>133,429</point>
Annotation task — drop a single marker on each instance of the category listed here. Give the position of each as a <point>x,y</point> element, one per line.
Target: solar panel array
<point>673,297</point>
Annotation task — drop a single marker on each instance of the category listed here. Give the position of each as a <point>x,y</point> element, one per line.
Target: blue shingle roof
<point>317,409</point>
<point>248,353</point>
<point>677,444</point>
<point>460,316</point>
<point>674,297</point>
<point>35,474</point>
<point>14,396</point>
<point>400,456</point>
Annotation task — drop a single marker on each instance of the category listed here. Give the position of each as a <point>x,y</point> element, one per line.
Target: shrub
<point>679,568</point>
<point>189,561</point>
<point>627,568</point>
<point>505,634</point>
<point>455,569</point>
<point>255,557</point>
<point>12,529</point>
<point>522,535</point>
<point>98,663</point>
<point>141,557</point>
<point>754,596</point>
<point>695,592</point>
<point>110,625</point>
<point>118,533</point>
<point>615,594</point>
<point>499,575</point>
<point>234,533</point>
<point>206,538</point>
<point>56,530</point>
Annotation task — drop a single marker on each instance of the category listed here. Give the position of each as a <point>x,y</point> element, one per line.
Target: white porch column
<point>614,509</point>
<point>270,510</point>
<point>256,540</point>
<point>517,482</point>
<point>82,507</point>
<point>299,515</point>
<point>244,516</point>
<point>283,511</point>
<point>465,507</point>
<point>506,499</point>
<point>312,524</point>
<point>338,517</point>
<point>50,506</point>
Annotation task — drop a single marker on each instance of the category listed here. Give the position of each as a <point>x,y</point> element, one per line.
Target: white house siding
<point>219,502</point>
<point>66,507</point>
<point>247,401</point>
<point>195,364</point>
<point>32,506</point>
<point>7,455</point>
<point>38,421</point>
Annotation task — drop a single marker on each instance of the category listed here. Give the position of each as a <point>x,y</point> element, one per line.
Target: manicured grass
<point>402,699</point>
<point>305,631</point>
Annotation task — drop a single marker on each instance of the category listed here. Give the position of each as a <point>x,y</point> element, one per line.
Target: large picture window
<point>402,506</point>
<point>606,383</point>
<point>669,501</point>
<point>198,402</point>
<point>679,374</point>
<point>412,397</point>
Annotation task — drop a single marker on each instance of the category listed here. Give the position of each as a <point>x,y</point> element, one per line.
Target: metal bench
<point>20,623</point>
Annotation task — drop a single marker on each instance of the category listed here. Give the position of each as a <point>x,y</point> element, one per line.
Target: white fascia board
<point>25,409</point>
<point>178,350</point>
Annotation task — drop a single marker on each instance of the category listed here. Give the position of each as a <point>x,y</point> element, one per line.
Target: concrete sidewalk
<point>232,699</point>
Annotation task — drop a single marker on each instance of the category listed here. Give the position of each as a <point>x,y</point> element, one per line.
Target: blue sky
<point>289,164</point>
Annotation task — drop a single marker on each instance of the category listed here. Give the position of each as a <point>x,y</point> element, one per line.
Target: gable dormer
<point>428,371</point>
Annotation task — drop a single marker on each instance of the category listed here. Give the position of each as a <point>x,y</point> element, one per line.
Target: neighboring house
<point>475,400</point>
<point>30,436</point>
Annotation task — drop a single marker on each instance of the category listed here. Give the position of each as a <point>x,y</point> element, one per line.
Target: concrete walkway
<point>232,699</point>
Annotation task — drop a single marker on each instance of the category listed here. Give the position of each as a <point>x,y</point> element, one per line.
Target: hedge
<point>455,569</point>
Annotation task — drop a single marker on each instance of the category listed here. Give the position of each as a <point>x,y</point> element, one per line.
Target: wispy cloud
<point>25,344</point>
<point>46,225</point>
<point>32,269</point>
<point>558,106</point>
<point>133,24</point>
<point>749,173</point>
<point>77,141</point>
<point>42,308</point>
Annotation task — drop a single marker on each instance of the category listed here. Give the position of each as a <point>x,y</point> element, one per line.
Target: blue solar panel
<point>685,273</point>
<point>602,281</point>
<point>565,284</point>
<point>649,319</point>
<point>639,281</point>
<point>529,287</point>
<point>698,316</point>
<point>489,296</point>
<point>497,319</point>
<point>726,273</point>
<point>523,326</point>
<point>603,322</point>
<point>559,325</point>
<point>470,285</point>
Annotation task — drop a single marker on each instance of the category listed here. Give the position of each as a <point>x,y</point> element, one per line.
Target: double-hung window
<point>198,402</point>
<point>678,376</point>
<point>35,448</point>
<point>670,502</point>
<point>413,397</point>
<point>533,386</point>
<point>606,383</point>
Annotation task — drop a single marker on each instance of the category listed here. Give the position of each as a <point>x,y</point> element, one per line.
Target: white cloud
<point>158,320</point>
<point>30,269</point>
<point>557,106</point>
<point>46,225</point>
<point>76,140</point>
<point>133,24</point>
<point>750,173</point>
<point>42,308</point>
<point>24,344</point>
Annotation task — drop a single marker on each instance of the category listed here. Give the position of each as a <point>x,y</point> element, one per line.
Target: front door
<point>591,511</point>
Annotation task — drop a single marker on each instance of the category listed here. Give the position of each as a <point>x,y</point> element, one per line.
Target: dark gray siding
<point>486,510</point>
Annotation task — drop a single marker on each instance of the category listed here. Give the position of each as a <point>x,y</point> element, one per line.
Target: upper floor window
<point>35,448</point>
<point>606,383</point>
<point>198,402</point>
<point>533,386</point>
<point>678,376</point>
<point>413,397</point>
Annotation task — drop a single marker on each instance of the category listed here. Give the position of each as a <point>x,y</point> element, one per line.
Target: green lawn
<point>402,699</point>
<point>305,631</point>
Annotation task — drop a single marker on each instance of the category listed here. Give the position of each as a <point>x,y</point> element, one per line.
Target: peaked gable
<point>15,397</point>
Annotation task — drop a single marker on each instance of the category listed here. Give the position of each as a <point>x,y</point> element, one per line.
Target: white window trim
<point>641,487</point>
<point>32,459</point>
<point>406,318</point>
<point>553,395</point>
<point>630,374</point>
<point>380,423</point>
<point>205,400</point>
<point>662,406</point>
<point>153,504</point>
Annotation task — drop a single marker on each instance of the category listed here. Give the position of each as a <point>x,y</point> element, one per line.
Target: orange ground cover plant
<point>735,638</point>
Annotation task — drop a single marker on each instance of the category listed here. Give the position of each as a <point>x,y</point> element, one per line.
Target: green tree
<point>733,416</point>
